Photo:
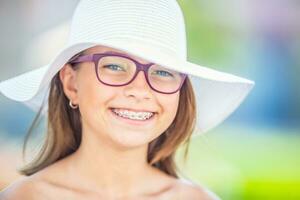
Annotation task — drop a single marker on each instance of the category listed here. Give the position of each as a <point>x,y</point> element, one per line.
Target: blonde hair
<point>63,119</point>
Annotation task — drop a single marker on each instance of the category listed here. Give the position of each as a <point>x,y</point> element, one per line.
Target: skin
<point>111,160</point>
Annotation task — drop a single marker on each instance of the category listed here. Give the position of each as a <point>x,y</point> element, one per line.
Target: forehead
<point>103,49</point>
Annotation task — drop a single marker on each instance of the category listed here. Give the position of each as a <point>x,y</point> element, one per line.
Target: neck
<point>113,170</point>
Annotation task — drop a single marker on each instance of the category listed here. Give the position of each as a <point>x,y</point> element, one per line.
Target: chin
<point>129,139</point>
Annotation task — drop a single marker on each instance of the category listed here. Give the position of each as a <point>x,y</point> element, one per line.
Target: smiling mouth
<point>143,120</point>
<point>129,114</point>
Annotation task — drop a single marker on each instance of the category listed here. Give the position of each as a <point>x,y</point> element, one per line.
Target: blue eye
<point>114,67</point>
<point>163,73</point>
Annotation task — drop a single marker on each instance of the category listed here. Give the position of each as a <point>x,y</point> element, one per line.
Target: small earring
<point>72,105</point>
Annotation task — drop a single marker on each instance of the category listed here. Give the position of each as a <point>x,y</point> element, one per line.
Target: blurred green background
<point>254,154</point>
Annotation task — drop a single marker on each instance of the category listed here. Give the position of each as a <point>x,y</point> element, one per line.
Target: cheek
<point>170,106</point>
<point>90,91</point>
<point>93,97</point>
<point>173,106</point>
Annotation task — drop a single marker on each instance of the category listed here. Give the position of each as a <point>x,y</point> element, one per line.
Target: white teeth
<point>133,115</point>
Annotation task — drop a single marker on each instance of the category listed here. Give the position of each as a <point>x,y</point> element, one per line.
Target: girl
<point>120,98</point>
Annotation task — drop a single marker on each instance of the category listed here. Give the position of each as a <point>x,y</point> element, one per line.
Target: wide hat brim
<point>218,93</point>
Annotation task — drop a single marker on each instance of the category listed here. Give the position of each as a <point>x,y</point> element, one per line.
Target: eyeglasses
<point>116,69</point>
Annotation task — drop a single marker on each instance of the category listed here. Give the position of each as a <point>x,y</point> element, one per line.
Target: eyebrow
<point>115,52</point>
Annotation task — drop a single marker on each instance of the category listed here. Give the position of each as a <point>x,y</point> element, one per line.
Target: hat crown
<point>156,22</point>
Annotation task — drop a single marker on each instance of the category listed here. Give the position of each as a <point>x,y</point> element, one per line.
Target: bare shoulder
<point>189,190</point>
<point>24,188</point>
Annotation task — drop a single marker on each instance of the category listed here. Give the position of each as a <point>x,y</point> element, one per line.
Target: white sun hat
<point>153,30</point>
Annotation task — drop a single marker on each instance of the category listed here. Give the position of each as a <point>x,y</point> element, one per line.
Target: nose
<point>139,87</point>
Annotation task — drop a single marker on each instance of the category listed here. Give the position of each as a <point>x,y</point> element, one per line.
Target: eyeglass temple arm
<point>83,58</point>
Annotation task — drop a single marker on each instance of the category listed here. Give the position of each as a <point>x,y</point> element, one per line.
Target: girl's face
<point>97,100</point>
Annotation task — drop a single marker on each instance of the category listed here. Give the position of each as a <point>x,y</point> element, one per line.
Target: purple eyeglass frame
<point>139,67</point>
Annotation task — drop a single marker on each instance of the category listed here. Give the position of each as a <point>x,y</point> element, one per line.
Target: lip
<point>132,121</point>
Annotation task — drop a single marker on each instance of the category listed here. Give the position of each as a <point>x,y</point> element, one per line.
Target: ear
<point>67,76</point>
